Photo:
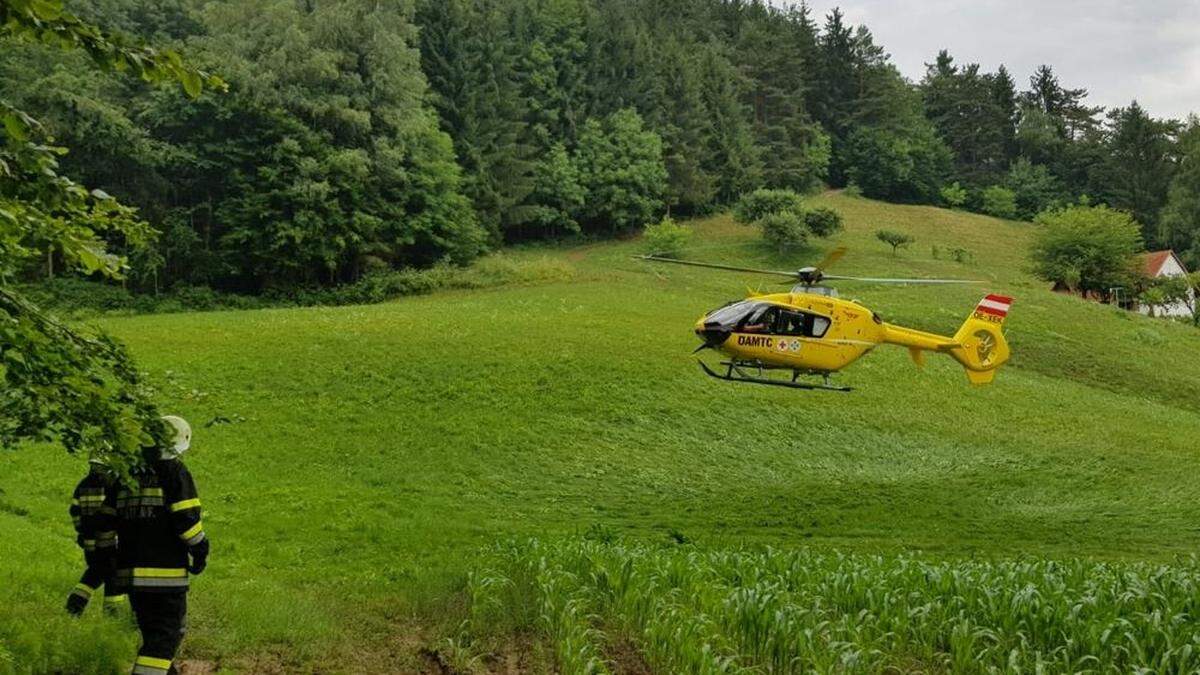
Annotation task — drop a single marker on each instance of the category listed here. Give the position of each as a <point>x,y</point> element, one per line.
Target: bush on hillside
<point>754,206</point>
<point>822,221</point>
<point>784,230</point>
<point>667,238</point>
<point>1000,202</point>
<point>954,195</point>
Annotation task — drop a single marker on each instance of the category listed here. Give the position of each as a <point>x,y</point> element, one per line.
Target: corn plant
<point>792,611</point>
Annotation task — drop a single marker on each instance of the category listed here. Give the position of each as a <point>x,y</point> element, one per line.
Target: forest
<point>356,138</point>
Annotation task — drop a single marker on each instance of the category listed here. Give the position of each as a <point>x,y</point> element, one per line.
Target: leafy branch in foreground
<point>60,385</point>
<point>82,391</point>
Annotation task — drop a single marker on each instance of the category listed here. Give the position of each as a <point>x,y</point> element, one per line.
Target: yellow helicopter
<point>810,331</point>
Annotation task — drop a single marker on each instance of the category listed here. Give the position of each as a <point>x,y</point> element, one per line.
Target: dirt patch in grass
<point>517,656</point>
<point>625,657</point>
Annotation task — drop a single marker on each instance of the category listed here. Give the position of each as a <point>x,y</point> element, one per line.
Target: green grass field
<point>372,452</point>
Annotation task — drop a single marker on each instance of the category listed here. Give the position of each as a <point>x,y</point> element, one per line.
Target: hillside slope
<point>368,451</point>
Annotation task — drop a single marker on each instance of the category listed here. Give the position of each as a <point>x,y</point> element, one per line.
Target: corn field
<point>688,610</point>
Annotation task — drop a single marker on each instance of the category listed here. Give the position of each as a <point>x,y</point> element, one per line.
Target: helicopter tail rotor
<point>982,348</point>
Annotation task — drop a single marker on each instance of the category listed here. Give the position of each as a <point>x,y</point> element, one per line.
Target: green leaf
<point>192,84</point>
<point>14,128</point>
<point>47,10</point>
<point>90,259</point>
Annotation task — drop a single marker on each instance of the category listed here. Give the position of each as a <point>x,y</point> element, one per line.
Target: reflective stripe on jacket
<point>157,520</point>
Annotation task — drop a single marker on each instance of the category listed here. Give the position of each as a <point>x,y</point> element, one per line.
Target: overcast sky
<point>1117,50</point>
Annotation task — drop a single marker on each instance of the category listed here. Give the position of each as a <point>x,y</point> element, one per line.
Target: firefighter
<point>95,526</point>
<point>160,542</point>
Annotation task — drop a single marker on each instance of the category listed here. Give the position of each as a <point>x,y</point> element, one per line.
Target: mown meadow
<point>357,464</point>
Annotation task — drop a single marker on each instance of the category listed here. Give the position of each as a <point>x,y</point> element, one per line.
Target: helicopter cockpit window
<point>820,324</point>
<point>791,322</point>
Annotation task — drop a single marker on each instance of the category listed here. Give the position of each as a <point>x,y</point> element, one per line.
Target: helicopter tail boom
<point>979,345</point>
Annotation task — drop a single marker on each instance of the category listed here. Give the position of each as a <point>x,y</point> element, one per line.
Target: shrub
<point>822,221</point>
<point>667,238</point>
<point>784,230</point>
<point>999,202</point>
<point>1087,248</point>
<point>70,294</point>
<point>894,239</point>
<point>755,206</point>
<point>954,195</point>
<point>80,297</point>
<point>852,190</point>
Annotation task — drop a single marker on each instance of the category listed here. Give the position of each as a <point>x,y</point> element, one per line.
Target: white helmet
<point>183,436</point>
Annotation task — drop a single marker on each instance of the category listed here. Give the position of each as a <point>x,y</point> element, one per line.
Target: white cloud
<point>1117,50</point>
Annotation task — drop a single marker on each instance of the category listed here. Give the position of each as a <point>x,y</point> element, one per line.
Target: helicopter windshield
<point>738,313</point>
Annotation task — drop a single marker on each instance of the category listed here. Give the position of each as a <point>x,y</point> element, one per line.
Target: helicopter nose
<point>713,335</point>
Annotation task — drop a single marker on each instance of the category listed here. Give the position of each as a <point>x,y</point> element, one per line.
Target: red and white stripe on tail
<point>994,305</point>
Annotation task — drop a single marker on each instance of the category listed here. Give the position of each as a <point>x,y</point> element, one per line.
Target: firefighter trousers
<point>162,620</point>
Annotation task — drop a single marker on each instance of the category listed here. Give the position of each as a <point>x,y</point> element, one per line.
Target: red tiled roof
<point>1153,261</point>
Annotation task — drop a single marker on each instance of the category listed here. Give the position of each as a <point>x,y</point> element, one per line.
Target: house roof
<point>1152,262</point>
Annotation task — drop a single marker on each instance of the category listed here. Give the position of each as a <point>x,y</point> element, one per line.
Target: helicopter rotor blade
<point>831,258</point>
<point>875,280</point>
<point>728,268</point>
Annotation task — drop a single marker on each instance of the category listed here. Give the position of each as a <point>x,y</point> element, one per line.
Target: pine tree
<point>1138,167</point>
<point>1181,217</point>
<point>771,50</point>
<point>963,105</point>
<point>834,94</point>
<point>731,155</point>
<point>679,117</point>
<point>470,63</point>
<point>1004,98</point>
<point>1065,106</point>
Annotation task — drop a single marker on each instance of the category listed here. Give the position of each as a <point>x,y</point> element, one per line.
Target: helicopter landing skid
<point>735,372</point>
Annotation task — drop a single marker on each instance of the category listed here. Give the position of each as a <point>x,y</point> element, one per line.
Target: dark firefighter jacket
<point>94,516</point>
<point>157,521</point>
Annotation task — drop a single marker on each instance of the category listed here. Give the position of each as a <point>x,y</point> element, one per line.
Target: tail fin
<point>982,347</point>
